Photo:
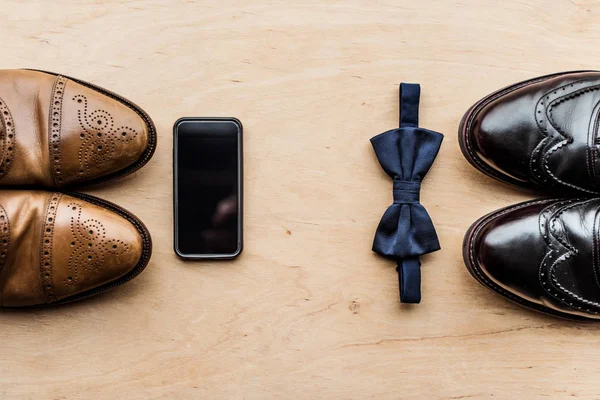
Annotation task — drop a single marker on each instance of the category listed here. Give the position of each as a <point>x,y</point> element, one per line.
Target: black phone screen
<point>207,187</point>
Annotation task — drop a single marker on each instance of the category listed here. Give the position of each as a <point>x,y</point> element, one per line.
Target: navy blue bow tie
<point>406,231</point>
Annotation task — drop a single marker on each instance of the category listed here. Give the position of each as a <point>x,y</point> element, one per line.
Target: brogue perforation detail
<point>4,237</point>
<point>534,164</point>
<point>58,91</point>
<point>8,139</point>
<point>99,136</point>
<point>552,278</point>
<point>46,252</point>
<point>89,244</point>
<point>543,118</point>
<point>546,223</point>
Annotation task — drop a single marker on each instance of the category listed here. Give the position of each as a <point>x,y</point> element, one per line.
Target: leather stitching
<point>533,161</point>
<point>590,158</point>
<point>592,146</point>
<point>595,243</point>
<point>547,235</point>
<point>554,218</point>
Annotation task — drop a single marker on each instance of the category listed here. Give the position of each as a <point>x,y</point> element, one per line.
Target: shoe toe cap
<point>101,136</point>
<point>506,252</point>
<point>93,247</point>
<point>504,134</point>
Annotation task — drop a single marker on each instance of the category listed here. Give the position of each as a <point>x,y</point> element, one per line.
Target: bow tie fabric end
<point>406,230</point>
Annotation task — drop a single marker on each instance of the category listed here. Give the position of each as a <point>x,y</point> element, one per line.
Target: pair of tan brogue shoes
<point>56,133</point>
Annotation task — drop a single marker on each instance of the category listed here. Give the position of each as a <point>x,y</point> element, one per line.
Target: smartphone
<point>207,188</point>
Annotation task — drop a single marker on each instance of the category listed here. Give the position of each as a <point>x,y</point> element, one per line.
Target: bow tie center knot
<point>406,192</point>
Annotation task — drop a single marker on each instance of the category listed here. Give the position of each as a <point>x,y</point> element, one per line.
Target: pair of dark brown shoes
<point>540,134</point>
<point>56,133</point>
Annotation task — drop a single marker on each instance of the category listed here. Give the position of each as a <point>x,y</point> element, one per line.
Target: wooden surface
<point>308,311</point>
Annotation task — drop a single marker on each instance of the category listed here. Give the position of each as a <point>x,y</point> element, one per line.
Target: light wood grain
<point>308,311</point>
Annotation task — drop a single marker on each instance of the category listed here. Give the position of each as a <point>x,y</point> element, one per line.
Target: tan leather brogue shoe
<point>57,131</point>
<point>56,248</point>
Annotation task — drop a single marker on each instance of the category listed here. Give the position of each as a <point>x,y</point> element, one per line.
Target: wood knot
<point>354,307</point>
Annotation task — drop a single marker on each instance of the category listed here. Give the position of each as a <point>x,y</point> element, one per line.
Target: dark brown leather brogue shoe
<point>538,134</point>
<point>57,248</point>
<point>542,254</point>
<point>57,131</point>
